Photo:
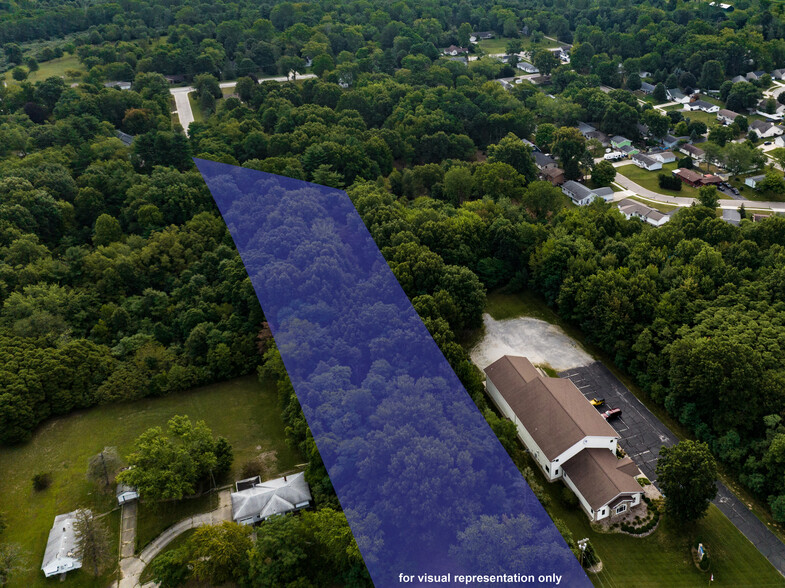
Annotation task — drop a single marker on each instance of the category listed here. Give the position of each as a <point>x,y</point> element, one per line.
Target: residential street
<point>642,435</point>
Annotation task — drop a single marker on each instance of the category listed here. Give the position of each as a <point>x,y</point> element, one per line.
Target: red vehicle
<point>611,414</point>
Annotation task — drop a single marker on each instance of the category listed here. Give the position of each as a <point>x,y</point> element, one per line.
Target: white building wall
<point>592,442</point>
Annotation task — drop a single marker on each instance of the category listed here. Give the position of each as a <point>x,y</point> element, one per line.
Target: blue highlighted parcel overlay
<point>429,492</point>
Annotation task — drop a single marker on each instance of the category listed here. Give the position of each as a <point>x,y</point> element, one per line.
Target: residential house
<point>664,156</point>
<point>633,209</point>
<point>778,74</point>
<point>642,129</point>
<point>695,152</point>
<point>543,161</point>
<point>753,181</point>
<point>676,95</point>
<point>585,127</point>
<point>669,141</point>
<point>525,30</point>
<point>541,80</point>
<point>527,67</point>
<point>647,88</point>
<point>255,501</point>
<point>60,555</point>
<point>779,141</point>
<point>481,36</point>
<point>175,79</point>
<point>702,105</point>
<point>646,162</point>
<point>554,175</point>
<point>726,116</point>
<point>756,218</point>
<point>722,5</point>
<point>754,76</point>
<point>582,195</point>
<point>600,136</point>
<point>618,141</point>
<point>453,50</point>
<point>737,79</point>
<point>778,114</point>
<point>690,177</point>
<point>629,150</point>
<point>125,138</point>
<point>731,216</point>
<point>565,435</point>
<point>644,74</point>
<point>765,129</point>
<point>118,85</point>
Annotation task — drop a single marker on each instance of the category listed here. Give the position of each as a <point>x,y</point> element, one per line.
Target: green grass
<point>242,410</point>
<point>660,559</point>
<point>698,115</point>
<point>154,518</point>
<point>753,194</point>
<point>648,179</point>
<point>199,115</point>
<point>55,67</point>
<point>661,206</point>
<point>499,44</point>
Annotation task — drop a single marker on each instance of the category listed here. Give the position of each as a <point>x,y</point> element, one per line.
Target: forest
<point>119,279</point>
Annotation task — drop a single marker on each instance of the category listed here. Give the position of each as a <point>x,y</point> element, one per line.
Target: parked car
<point>611,414</point>
<point>597,401</point>
<point>767,143</point>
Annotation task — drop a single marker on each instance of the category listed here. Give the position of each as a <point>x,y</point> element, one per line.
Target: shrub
<point>568,497</point>
<point>42,481</point>
<point>644,482</point>
<point>668,182</point>
<point>704,563</point>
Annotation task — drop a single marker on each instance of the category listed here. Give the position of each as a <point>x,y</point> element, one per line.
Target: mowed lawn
<point>242,410</point>
<point>55,67</point>
<point>663,559</point>
<point>648,179</point>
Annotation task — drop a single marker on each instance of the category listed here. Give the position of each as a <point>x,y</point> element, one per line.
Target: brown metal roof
<point>552,410</point>
<point>600,477</point>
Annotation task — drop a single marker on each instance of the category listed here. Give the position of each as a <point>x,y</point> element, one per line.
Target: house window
<point>602,512</point>
<point>556,472</point>
<point>621,508</point>
<point>547,469</point>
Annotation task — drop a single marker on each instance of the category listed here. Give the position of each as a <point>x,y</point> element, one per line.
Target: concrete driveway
<point>642,435</point>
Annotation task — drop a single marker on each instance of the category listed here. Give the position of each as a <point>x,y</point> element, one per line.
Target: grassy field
<point>663,558</point>
<point>196,107</point>
<point>499,44</point>
<point>242,410</point>
<point>648,179</point>
<point>55,67</point>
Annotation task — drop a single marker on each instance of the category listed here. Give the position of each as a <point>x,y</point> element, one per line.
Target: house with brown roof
<point>695,152</point>
<point>566,436</point>
<point>554,175</point>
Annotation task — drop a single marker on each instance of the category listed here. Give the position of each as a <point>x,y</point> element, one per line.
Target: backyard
<point>242,410</point>
<point>648,179</point>
<point>663,558</point>
<point>55,67</point>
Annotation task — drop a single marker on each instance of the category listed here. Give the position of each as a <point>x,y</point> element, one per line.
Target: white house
<point>647,88</point>
<point>646,162</point>
<point>726,116</point>
<point>527,67</point>
<point>676,95</point>
<point>566,436</point>
<point>766,129</point>
<point>255,501</point>
<point>581,195</point>
<point>701,105</point>
<point>753,181</point>
<point>633,209</point>
<point>454,50</point>
<point>60,555</point>
<point>118,85</point>
<point>664,156</point>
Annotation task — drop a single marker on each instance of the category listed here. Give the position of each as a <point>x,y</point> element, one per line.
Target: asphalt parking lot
<point>642,435</point>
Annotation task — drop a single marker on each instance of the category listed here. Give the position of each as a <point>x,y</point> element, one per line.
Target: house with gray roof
<point>566,436</point>
<point>702,105</point>
<point>255,501</point>
<point>61,548</point>
<point>647,88</point>
<point>737,79</point>
<point>753,181</point>
<point>543,160</point>
<point>646,162</point>
<point>726,116</point>
<point>633,209</point>
<point>582,195</point>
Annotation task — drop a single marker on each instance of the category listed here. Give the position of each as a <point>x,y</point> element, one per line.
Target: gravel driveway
<point>541,342</point>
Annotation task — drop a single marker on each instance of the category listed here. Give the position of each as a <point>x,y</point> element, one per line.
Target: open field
<point>499,44</point>
<point>648,179</point>
<point>55,67</point>
<point>242,410</point>
<point>663,558</point>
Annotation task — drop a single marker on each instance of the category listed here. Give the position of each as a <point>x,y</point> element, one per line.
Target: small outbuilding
<point>61,548</point>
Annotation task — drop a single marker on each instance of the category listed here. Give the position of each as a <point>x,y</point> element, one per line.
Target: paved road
<point>642,435</point>
<point>682,201</point>
<point>131,568</point>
